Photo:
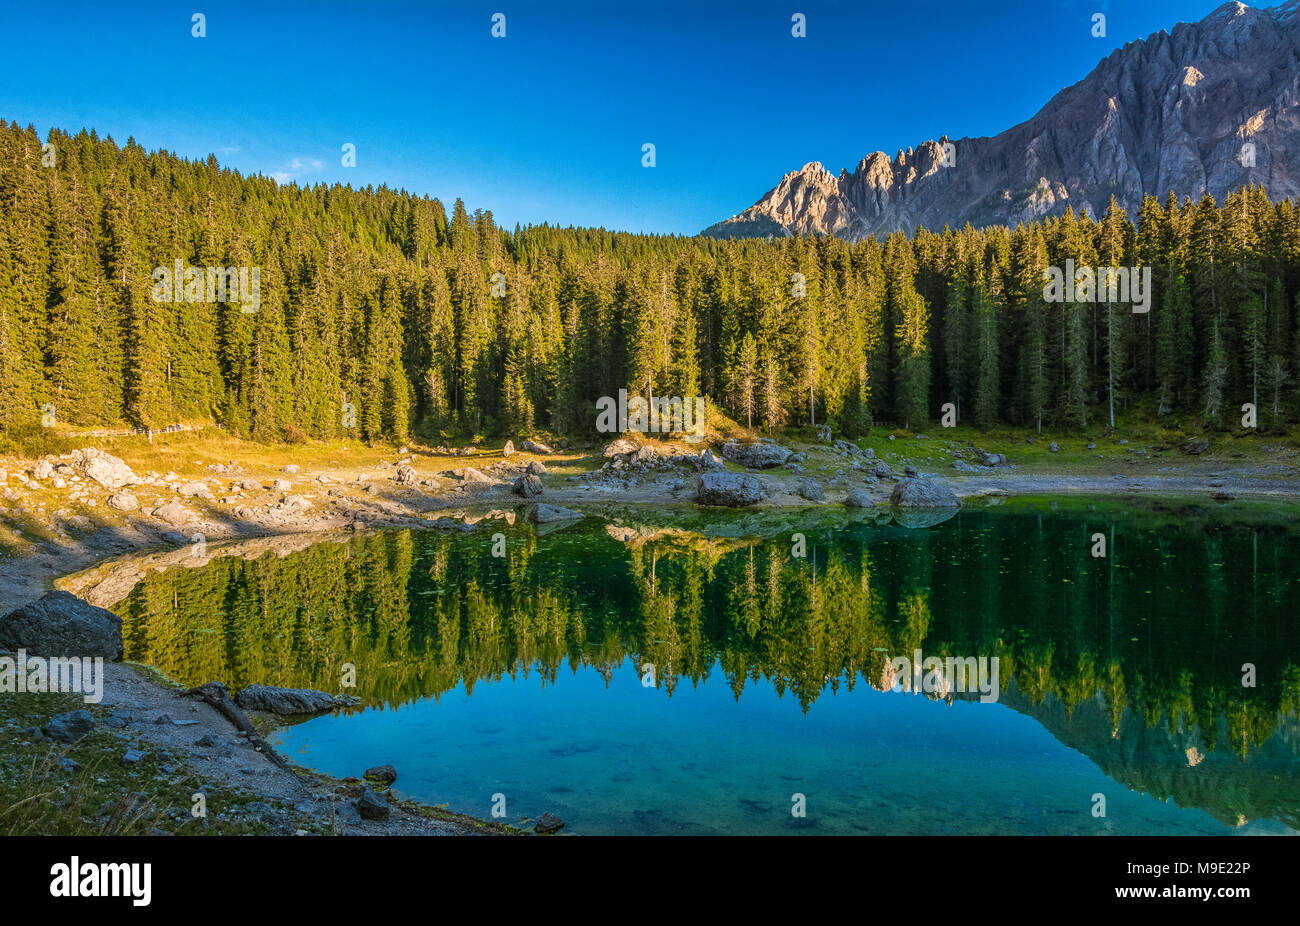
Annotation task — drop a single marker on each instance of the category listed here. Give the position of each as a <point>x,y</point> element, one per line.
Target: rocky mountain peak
<point>1205,107</point>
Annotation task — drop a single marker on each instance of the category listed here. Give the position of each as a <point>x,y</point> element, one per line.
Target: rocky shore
<point>91,523</point>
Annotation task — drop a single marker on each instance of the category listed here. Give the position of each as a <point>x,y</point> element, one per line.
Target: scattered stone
<point>132,757</point>
<point>123,501</point>
<point>371,806</point>
<point>69,727</point>
<point>991,459</point>
<point>473,476</point>
<point>1196,446</point>
<point>194,490</point>
<point>381,774</point>
<point>548,823</point>
<point>508,450</point>
<point>911,472</point>
<point>405,475</point>
<point>881,470</point>
<point>532,446</point>
<point>291,468</point>
<point>537,468</point>
<point>1053,447</point>
<point>281,485</point>
<point>61,624</point>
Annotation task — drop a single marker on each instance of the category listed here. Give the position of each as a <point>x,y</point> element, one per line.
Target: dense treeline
<point>380,301</point>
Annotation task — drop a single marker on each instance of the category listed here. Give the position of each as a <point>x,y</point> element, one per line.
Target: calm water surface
<point>676,673</point>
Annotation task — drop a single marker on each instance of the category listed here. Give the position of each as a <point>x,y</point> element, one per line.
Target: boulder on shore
<point>548,823</point>
<point>381,774</point>
<point>104,468</point>
<point>290,701</point>
<point>527,486</point>
<point>762,455</point>
<point>371,806</point>
<point>620,447</point>
<point>921,493</point>
<point>731,490</point>
<point>858,498</point>
<point>61,624</point>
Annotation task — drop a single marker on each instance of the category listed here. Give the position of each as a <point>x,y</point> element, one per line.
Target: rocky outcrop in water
<point>290,701</point>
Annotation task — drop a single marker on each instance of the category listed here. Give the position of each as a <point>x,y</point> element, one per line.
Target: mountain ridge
<point>1173,111</point>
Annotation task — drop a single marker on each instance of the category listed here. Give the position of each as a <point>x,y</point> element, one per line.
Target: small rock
<point>548,823</point>
<point>371,806</point>
<point>381,774</point>
<point>69,727</point>
<point>132,757</point>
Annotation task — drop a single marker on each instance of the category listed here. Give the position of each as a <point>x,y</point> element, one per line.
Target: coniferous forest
<point>383,302</point>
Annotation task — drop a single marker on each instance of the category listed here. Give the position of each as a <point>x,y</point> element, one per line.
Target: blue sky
<point>547,123</point>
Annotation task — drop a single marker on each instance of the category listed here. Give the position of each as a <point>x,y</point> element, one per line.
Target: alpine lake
<point>689,671</point>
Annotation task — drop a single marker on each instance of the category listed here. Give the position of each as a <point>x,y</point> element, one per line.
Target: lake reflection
<point>655,673</point>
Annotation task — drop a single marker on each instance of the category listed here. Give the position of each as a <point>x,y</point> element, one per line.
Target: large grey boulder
<point>991,459</point>
<point>104,468</point>
<point>290,701</point>
<point>922,493</point>
<point>371,806</point>
<point>471,476</point>
<point>812,490</point>
<point>123,501</point>
<point>173,513</point>
<point>532,446</point>
<point>620,447</point>
<point>858,498</point>
<point>732,490</point>
<point>69,727</point>
<point>528,486</point>
<point>61,624</point>
<point>762,455</point>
